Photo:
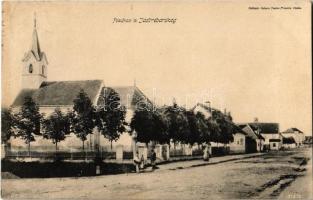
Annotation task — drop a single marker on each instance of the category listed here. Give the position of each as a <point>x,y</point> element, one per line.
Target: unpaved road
<point>267,176</point>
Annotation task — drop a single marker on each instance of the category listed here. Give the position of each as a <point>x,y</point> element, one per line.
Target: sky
<point>254,63</point>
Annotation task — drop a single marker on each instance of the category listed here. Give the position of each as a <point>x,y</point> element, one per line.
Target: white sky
<point>255,63</point>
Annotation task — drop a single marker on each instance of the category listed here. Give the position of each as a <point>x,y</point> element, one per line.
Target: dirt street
<point>267,176</point>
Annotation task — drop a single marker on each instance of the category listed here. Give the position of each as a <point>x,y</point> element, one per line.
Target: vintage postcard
<point>156,99</point>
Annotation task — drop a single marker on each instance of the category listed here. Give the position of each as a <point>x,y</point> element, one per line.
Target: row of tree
<point>161,125</point>
<point>177,125</point>
<point>28,122</point>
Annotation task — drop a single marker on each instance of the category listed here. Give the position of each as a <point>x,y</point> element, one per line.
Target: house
<point>241,138</point>
<point>205,109</point>
<point>254,141</point>
<point>270,132</point>
<point>50,95</point>
<point>308,140</point>
<point>289,143</point>
<point>239,143</point>
<point>297,135</point>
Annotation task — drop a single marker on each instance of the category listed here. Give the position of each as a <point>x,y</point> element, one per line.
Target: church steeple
<point>35,43</point>
<point>35,63</point>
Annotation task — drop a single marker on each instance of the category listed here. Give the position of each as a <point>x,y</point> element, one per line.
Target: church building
<point>50,95</point>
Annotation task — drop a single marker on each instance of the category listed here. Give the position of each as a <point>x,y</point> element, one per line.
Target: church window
<point>30,68</point>
<point>43,69</point>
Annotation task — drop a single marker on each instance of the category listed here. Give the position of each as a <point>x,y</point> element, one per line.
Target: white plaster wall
<point>238,145</point>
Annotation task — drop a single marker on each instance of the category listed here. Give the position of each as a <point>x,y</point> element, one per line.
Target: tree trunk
<point>83,145</point>
<point>29,149</point>
<point>111,144</point>
<point>56,147</point>
<point>90,143</point>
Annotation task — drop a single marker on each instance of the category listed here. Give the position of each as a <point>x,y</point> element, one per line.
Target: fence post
<point>119,152</point>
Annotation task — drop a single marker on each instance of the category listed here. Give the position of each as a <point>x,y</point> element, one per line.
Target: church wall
<point>72,143</point>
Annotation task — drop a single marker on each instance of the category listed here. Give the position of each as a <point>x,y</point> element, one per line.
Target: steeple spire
<point>35,43</point>
<point>35,24</point>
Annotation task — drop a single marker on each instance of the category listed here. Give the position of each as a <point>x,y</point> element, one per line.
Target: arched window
<point>30,68</point>
<point>43,69</point>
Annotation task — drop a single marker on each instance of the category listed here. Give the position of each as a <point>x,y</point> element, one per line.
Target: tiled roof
<point>266,127</point>
<point>130,96</point>
<point>59,93</point>
<point>252,131</point>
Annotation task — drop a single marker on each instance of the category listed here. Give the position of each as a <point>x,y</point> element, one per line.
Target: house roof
<point>251,132</point>
<point>266,128</point>
<point>205,107</point>
<point>59,93</point>
<point>292,130</point>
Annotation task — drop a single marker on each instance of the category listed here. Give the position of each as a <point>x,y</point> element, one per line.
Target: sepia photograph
<point>156,99</point>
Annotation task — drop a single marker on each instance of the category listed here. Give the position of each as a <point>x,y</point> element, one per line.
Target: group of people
<point>140,162</point>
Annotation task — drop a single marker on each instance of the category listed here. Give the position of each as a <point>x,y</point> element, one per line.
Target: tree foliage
<point>7,125</point>
<point>178,127</point>
<point>56,127</point>
<point>83,117</point>
<point>28,121</point>
<point>111,117</point>
<point>226,127</point>
<point>149,126</point>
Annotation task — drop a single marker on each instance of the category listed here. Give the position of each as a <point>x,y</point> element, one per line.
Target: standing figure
<point>206,153</point>
<point>142,162</point>
<point>153,159</point>
<point>137,162</point>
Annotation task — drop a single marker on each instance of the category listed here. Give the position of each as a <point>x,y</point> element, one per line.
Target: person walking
<point>142,162</point>
<point>137,162</point>
<point>206,153</point>
<point>153,159</point>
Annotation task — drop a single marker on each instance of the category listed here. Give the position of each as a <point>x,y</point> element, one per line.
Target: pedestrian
<point>137,162</point>
<point>153,159</point>
<point>142,162</point>
<point>205,153</point>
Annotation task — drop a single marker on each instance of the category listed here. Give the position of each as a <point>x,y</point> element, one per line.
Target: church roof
<point>130,96</point>
<point>59,92</point>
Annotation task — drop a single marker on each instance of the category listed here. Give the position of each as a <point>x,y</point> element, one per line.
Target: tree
<point>111,117</point>
<point>142,123</point>
<point>160,127</point>
<point>82,117</point>
<point>7,125</point>
<point>214,130</point>
<point>149,126</point>
<point>203,129</point>
<point>226,126</point>
<point>28,121</point>
<point>178,123</point>
<point>56,127</point>
<point>194,131</point>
